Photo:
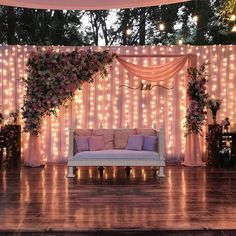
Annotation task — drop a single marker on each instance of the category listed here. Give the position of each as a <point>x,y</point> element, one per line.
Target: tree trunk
<point>142,24</point>
<point>95,26</point>
<point>102,20</point>
<point>125,26</point>
<point>11,25</point>
<point>203,10</point>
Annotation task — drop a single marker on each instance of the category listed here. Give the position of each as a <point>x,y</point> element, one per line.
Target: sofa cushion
<point>82,143</point>
<point>80,132</point>
<point>121,137</point>
<point>108,136</point>
<point>116,154</point>
<point>83,132</point>
<point>135,142</point>
<point>150,132</point>
<point>149,143</point>
<point>96,143</point>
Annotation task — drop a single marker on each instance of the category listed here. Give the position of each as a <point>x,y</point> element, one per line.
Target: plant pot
<point>214,117</point>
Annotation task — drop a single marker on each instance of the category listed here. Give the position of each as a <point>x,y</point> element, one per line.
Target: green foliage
<point>108,27</point>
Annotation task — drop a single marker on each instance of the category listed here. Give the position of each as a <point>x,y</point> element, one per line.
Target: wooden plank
<point>38,199</point>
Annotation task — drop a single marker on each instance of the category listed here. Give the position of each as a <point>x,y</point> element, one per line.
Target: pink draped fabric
<point>34,156</point>
<point>156,72</point>
<point>193,155</point>
<point>193,151</point>
<point>193,148</point>
<point>86,4</point>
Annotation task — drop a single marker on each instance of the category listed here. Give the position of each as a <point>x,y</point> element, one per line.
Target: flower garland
<point>198,97</point>
<point>53,78</point>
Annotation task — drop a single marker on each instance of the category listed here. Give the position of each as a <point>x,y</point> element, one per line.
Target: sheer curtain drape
<point>105,103</point>
<point>193,148</point>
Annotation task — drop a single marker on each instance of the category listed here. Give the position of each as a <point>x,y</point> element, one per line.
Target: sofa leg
<point>161,172</point>
<point>70,172</point>
<point>101,169</point>
<point>128,169</point>
<point>154,171</point>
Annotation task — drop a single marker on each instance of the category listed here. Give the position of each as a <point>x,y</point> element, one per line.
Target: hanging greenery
<point>53,78</point>
<point>198,97</point>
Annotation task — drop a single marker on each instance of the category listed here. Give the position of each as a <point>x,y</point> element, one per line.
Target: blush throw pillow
<point>82,143</point>
<point>135,142</point>
<point>96,143</point>
<point>149,143</point>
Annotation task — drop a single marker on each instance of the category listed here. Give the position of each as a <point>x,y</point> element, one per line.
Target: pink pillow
<point>82,143</point>
<point>96,143</point>
<point>150,143</point>
<point>135,142</point>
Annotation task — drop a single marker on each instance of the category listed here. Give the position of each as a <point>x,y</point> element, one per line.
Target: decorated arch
<point>53,78</point>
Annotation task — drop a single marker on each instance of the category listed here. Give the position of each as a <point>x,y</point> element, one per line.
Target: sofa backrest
<point>113,138</point>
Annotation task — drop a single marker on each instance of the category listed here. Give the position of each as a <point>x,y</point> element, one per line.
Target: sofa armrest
<point>161,143</point>
<point>71,142</point>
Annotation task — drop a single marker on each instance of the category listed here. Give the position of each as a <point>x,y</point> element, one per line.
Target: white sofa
<point>116,157</point>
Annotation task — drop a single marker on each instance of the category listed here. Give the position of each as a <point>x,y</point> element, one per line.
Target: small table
<point>214,136</point>
<point>10,138</point>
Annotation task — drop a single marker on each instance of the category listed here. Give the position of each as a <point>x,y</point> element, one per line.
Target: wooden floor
<point>189,201</point>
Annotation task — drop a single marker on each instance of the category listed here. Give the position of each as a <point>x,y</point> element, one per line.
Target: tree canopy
<point>50,27</point>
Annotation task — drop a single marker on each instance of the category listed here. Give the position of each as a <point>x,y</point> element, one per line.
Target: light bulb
<point>161,27</point>
<point>195,18</point>
<point>180,42</point>
<point>232,17</point>
<point>233,29</point>
<point>128,31</point>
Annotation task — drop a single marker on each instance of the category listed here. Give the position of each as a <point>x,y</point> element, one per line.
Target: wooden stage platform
<point>189,201</point>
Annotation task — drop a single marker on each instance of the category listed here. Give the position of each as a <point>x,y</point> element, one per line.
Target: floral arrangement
<point>53,78</point>
<point>198,97</point>
<point>214,104</point>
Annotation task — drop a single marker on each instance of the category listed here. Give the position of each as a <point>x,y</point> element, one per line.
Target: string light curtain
<point>105,104</point>
<point>86,4</point>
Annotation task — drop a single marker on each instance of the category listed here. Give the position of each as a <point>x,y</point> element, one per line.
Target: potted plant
<point>214,106</point>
